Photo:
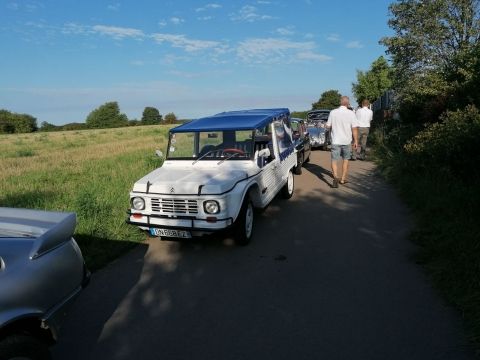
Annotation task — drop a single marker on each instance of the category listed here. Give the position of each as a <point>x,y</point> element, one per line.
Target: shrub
<point>450,146</point>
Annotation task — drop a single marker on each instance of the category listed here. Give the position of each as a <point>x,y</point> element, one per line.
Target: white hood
<point>177,180</point>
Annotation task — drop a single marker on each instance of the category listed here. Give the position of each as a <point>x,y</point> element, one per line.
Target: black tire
<point>289,187</point>
<point>298,168</point>
<point>24,347</point>
<point>243,226</point>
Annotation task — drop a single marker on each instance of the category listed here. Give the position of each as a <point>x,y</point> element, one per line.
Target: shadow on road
<point>326,276</point>
<point>97,303</point>
<point>320,172</point>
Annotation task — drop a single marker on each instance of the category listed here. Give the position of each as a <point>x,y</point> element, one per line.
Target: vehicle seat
<point>261,142</point>
<point>206,149</point>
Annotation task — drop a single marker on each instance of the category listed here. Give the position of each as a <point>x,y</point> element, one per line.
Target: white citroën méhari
<point>217,170</point>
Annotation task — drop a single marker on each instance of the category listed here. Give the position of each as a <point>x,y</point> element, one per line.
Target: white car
<point>217,170</point>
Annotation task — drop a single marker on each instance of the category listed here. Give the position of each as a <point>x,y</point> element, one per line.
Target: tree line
<point>107,115</point>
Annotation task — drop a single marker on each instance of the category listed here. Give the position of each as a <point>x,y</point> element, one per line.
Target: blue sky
<point>60,59</point>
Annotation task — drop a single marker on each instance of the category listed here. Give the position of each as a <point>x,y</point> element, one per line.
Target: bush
<point>434,170</point>
<point>450,146</point>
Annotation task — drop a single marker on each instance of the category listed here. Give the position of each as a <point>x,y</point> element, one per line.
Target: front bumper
<point>196,226</point>
<point>318,141</point>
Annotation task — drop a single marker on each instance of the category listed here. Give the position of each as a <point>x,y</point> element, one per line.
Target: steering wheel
<point>233,150</point>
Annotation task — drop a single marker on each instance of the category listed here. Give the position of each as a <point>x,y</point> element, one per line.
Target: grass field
<point>89,172</point>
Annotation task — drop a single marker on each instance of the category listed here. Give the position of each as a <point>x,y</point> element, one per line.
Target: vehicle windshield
<point>211,145</point>
<point>314,117</point>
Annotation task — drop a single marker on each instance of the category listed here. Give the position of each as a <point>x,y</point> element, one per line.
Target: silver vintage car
<point>41,273</point>
<point>316,126</point>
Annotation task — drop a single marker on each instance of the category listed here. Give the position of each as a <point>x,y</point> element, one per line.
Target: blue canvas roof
<point>233,120</point>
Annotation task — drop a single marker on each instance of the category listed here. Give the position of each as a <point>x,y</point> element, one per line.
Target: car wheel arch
<point>254,192</point>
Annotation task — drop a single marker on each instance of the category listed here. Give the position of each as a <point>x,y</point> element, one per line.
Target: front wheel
<point>243,227</point>
<point>287,190</point>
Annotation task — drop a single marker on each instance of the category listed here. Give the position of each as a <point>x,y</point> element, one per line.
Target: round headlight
<point>138,203</point>
<point>211,207</point>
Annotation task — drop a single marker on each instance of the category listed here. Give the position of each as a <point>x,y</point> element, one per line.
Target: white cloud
<point>184,74</point>
<point>309,36</point>
<point>25,6</point>
<point>354,45</point>
<point>114,7</point>
<point>200,74</point>
<point>248,13</point>
<point>252,51</point>
<point>208,6</point>
<point>171,59</point>
<point>285,31</point>
<point>38,25</point>
<point>176,20</point>
<point>205,18</point>
<point>118,33</point>
<point>333,38</point>
<point>270,50</point>
<point>13,6</point>
<point>181,41</point>
<point>260,2</point>
<point>162,23</point>
<point>76,29</point>
<point>312,56</point>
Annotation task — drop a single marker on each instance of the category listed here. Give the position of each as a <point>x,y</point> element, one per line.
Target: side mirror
<point>159,153</point>
<point>264,153</point>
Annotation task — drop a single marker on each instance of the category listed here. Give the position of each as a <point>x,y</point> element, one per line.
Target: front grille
<point>175,206</point>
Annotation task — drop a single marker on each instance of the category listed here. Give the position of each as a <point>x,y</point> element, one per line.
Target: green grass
<point>91,177</point>
<point>24,153</point>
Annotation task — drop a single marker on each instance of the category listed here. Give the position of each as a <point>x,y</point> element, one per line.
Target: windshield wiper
<point>201,157</point>
<point>227,158</point>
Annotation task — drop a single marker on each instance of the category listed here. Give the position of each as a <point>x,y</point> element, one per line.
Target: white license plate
<point>170,233</point>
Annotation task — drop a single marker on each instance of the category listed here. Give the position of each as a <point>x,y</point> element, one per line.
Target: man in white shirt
<point>343,125</point>
<point>364,117</point>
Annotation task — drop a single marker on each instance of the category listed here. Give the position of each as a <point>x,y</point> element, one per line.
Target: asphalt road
<point>329,275</point>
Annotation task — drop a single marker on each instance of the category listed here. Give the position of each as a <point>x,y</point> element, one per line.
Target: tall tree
<point>151,116</point>
<point>329,100</point>
<point>371,84</point>
<point>170,118</point>
<point>430,50</point>
<point>17,123</point>
<point>6,124</point>
<point>107,116</point>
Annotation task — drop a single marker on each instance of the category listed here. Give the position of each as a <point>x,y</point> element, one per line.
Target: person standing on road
<point>364,117</point>
<point>343,125</point>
